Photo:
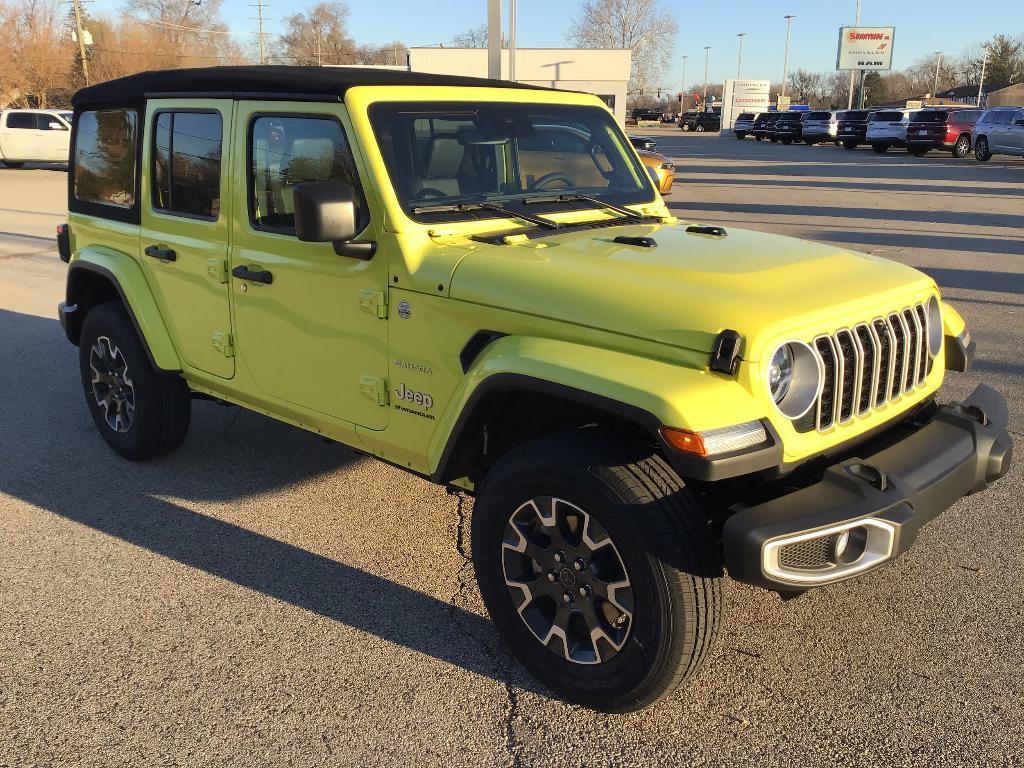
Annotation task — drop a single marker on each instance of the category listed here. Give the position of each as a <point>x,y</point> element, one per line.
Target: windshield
<point>930,117</point>
<point>819,116</point>
<point>855,116</point>
<point>889,116</point>
<point>438,154</point>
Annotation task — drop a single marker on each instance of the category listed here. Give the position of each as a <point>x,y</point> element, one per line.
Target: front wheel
<point>685,127</point>
<point>810,142</point>
<point>787,141</point>
<point>758,138</point>
<point>962,147</point>
<point>849,145</point>
<point>699,128</point>
<point>981,151</point>
<point>741,136</point>
<point>141,413</point>
<point>919,152</point>
<point>13,164</point>
<point>880,149</point>
<point>596,565</point>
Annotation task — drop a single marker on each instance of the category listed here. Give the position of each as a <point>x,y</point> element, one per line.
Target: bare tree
<point>1004,63</point>
<point>36,51</point>
<point>807,87</point>
<point>318,37</point>
<point>645,27</point>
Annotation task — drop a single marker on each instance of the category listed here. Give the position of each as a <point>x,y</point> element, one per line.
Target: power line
<point>178,27</point>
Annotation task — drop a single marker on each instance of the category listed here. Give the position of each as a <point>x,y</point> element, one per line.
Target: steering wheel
<point>429,192</point>
<point>550,178</point>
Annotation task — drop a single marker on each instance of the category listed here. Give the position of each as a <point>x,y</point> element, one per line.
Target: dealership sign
<point>744,96</point>
<point>865,48</point>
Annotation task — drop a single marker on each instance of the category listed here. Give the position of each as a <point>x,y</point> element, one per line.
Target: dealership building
<point>602,72</point>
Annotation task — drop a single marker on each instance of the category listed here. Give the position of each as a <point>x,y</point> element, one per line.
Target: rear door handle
<point>256,276</point>
<point>164,254</point>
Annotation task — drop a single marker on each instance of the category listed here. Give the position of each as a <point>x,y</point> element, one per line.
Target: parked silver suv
<point>1000,131</point>
<point>820,126</point>
<point>888,128</point>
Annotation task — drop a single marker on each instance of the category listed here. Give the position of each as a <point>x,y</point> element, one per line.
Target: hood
<point>687,289</point>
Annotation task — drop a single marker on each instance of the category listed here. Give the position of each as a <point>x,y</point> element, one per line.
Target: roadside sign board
<point>867,48</point>
<point>782,103</point>
<point>744,96</point>
<point>914,104</point>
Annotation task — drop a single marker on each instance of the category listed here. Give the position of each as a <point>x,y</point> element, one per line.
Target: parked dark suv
<point>947,129</point>
<point>762,123</point>
<point>787,128</point>
<point>853,128</point>
<point>701,121</point>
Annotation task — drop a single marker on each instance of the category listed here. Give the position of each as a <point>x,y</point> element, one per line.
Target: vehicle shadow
<point>52,458</point>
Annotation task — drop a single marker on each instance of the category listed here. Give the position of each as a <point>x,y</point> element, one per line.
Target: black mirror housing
<point>325,211</point>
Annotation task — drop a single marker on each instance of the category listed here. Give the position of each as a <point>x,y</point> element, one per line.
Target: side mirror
<point>55,126</point>
<point>325,212</point>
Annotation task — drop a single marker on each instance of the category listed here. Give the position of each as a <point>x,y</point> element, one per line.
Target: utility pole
<point>849,101</point>
<point>785,64</point>
<point>683,89</point>
<point>512,40</point>
<point>739,62</point>
<point>81,40</point>
<point>935,85</point>
<point>984,61</point>
<point>707,55</point>
<point>258,5</point>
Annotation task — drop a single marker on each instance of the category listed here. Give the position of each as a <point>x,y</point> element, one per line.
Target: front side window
<point>286,150</point>
<point>104,157</point>
<point>47,122</point>
<point>445,153</point>
<point>186,163</point>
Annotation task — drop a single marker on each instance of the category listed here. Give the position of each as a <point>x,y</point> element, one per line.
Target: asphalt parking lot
<point>264,598</point>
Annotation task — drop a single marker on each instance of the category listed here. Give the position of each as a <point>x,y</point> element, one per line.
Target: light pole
<point>984,61</point>
<point>739,62</point>
<point>707,55</point>
<point>935,85</point>
<point>682,100</point>
<point>512,40</point>
<point>853,72</point>
<point>785,65</point>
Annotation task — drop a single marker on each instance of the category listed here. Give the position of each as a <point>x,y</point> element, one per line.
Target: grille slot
<point>807,555</point>
<point>870,364</point>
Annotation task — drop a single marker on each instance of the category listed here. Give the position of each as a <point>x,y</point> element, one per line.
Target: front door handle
<point>257,276</point>
<point>164,254</point>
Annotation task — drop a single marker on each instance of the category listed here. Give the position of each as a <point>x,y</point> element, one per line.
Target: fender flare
<point>128,279</point>
<point>647,392</point>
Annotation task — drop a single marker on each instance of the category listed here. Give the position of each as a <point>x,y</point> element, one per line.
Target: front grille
<point>807,555</point>
<point>871,364</point>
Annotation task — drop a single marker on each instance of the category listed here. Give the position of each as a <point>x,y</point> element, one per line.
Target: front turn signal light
<point>684,440</point>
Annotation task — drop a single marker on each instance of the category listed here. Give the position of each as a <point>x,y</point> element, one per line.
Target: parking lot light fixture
<point>739,62</point>
<point>935,85</point>
<point>707,55</point>
<point>683,89</point>
<point>785,64</point>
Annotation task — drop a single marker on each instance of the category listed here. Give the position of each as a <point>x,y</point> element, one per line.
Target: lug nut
<point>585,591</point>
<point>559,557</point>
<point>580,564</point>
<point>567,598</point>
<point>551,576</point>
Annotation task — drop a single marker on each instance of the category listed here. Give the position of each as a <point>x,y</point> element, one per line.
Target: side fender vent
<point>725,353</point>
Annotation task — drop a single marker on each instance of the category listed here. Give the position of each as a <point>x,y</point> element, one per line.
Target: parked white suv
<point>888,128</point>
<point>999,131</point>
<point>34,136</point>
<point>820,126</point>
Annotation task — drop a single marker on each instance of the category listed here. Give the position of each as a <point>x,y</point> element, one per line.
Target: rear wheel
<point>596,565</point>
<point>699,128</point>
<point>787,141</point>
<point>849,145</point>
<point>141,413</point>
<point>13,164</point>
<point>685,127</point>
<point>741,136</point>
<point>758,138</point>
<point>810,142</point>
<point>962,147</point>
<point>981,150</point>
<point>880,149</point>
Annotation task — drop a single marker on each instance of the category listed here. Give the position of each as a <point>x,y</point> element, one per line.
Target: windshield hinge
<point>374,388</point>
<point>217,268</point>
<point>222,343</point>
<point>373,301</point>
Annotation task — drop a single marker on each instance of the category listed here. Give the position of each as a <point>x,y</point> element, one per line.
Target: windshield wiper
<point>574,197</point>
<point>480,206</point>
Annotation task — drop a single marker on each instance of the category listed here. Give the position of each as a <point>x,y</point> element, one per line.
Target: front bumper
<point>867,511</point>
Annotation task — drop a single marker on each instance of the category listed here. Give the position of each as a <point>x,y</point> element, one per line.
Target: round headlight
<point>795,377</point>
<point>934,326</point>
<point>780,372</point>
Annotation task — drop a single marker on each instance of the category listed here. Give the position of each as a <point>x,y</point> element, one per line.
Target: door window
<point>21,120</point>
<point>186,163</point>
<point>285,150</point>
<point>44,121</point>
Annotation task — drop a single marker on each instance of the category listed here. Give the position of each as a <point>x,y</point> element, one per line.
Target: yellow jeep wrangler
<point>479,282</point>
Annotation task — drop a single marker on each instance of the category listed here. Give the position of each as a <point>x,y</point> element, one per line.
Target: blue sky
<point>922,27</point>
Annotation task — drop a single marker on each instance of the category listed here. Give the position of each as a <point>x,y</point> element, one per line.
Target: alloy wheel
<point>567,580</point>
<point>112,384</point>
<point>963,146</point>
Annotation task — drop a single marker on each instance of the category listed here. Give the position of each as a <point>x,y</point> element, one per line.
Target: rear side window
<point>970,117</point>
<point>104,157</point>
<point>286,150</point>
<point>186,163</point>
<point>21,120</point>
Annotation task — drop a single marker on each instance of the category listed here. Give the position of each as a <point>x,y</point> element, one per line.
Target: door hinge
<point>373,301</point>
<point>222,343</point>
<point>375,388</point>
<point>217,268</point>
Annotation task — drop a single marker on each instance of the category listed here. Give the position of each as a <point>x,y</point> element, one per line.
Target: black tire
<point>773,140</point>
<point>158,419</point>
<point>741,136</point>
<point>13,164</point>
<point>758,138</point>
<point>810,142</point>
<point>918,152</point>
<point>981,150</point>
<point>699,128</point>
<point>962,148</point>
<point>849,145</point>
<point>659,536</point>
<point>880,149</point>
<point>685,127</point>
<point>786,141</point>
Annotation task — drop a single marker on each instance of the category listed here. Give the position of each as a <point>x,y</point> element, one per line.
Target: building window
<point>104,157</point>
<point>186,163</point>
<point>608,99</point>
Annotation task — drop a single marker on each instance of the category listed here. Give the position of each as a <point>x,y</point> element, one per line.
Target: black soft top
<point>257,82</point>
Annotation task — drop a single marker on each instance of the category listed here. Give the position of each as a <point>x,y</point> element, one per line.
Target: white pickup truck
<point>34,136</point>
